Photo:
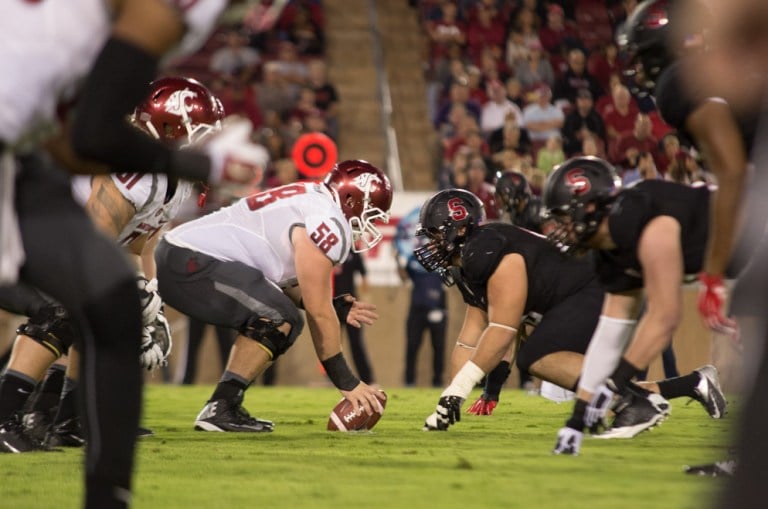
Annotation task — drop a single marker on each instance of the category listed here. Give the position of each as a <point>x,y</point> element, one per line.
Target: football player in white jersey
<point>131,208</point>
<point>47,240</point>
<point>252,266</point>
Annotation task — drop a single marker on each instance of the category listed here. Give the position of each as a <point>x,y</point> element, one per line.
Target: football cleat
<point>37,423</point>
<point>709,393</point>
<point>635,413</point>
<point>221,415</point>
<point>68,433</point>
<point>716,469</point>
<point>14,439</point>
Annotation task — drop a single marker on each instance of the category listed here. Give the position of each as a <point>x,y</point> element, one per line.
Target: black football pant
<point>88,274</point>
<point>418,321</point>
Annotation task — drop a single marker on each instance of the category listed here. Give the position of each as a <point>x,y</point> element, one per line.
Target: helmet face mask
<point>446,220</point>
<point>578,195</point>
<point>179,110</point>
<point>364,194</point>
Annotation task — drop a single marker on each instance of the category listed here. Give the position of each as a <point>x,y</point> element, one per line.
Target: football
<point>344,417</point>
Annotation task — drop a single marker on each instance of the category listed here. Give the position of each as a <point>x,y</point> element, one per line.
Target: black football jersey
<point>677,102</point>
<point>634,208</point>
<point>551,276</point>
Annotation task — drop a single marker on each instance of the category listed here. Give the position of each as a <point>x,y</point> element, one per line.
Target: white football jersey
<point>48,46</point>
<point>256,230</point>
<point>147,193</point>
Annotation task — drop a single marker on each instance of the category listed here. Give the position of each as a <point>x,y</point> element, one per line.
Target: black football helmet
<point>446,220</point>
<point>512,192</point>
<point>577,196</point>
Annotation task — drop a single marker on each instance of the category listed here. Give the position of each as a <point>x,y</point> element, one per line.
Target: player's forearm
<point>724,223</point>
<point>326,334</point>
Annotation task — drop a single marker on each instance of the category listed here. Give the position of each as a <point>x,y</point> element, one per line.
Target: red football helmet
<point>364,194</point>
<point>179,108</point>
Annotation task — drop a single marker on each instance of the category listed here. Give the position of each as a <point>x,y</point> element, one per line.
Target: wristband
<point>338,371</point>
<point>342,307</point>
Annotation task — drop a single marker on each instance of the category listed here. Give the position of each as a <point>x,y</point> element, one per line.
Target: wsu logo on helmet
<point>365,180</point>
<point>177,104</point>
<point>577,183</point>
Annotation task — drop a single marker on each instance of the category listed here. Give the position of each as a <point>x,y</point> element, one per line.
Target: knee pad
<point>266,332</point>
<point>50,327</point>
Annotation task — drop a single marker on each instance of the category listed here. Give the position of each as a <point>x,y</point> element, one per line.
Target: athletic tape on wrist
<point>464,381</point>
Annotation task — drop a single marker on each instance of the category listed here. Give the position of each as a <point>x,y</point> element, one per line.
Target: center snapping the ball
<point>344,416</point>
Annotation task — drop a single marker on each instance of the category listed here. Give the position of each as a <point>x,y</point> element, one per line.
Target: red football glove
<point>483,406</point>
<point>712,294</point>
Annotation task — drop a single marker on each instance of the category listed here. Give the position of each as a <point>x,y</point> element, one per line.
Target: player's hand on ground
<point>234,158</point>
<point>365,396</point>
<point>151,356</point>
<point>483,406</point>
<point>711,303</point>
<point>568,441</point>
<point>598,406</point>
<point>447,412</point>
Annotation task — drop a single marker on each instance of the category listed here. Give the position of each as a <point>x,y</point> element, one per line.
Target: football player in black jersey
<point>519,206</point>
<point>493,266</point>
<point>644,239</point>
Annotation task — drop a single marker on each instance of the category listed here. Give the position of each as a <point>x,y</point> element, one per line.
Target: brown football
<point>344,417</point>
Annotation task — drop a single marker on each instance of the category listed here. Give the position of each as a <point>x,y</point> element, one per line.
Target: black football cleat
<point>716,469</point>
<point>709,393</point>
<point>222,415</point>
<point>68,433</point>
<point>14,439</point>
<point>635,413</point>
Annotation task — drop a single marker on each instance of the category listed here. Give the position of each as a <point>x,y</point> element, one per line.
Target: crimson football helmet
<point>446,220</point>
<point>179,108</point>
<point>578,195</point>
<point>365,195</point>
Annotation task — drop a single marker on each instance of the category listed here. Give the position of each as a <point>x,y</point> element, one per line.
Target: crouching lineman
<point>131,208</point>
<point>252,266</point>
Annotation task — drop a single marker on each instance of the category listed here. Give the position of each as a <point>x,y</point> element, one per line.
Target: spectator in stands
<point>517,48</point>
<point>575,78</point>
<point>620,116</point>
<point>514,91</point>
<point>292,69</point>
<point>304,106</point>
<point>444,32</point>
<point>477,89</point>
<point>536,69</point>
<point>557,33</point>
<point>527,23</point>
<point>458,94</point>
<point>670,146</point>
<point>483,31</point>
<point>477,184</point>
<point>510,137</point>
<point>326,96</point>
<point>604,103</point>
<point>273,92</point>
<point>684,169</point>
<point>592,146</point>
<point>284,172</point>
<point>639,140</point>
<point>492,64</point>
<point>581,122</point>
<point>645,169</point>
<point>498,109</point>
<point>239,98</point>
<point>551,154</point>
<point>542,119</point>
<point>306,33</point>
<point>602,64</point>
<point>236,59</point>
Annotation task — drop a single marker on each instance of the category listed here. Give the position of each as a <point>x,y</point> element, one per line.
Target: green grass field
<point>499,461</point>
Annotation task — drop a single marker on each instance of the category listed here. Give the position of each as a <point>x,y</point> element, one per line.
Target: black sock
<point>577,417</point>
<point>496,379</point>
<point>68,402</point>
<point>15,389</point>
<point>679,386</point>
<point>624,372</point>
<point>50,390</point>
<point>231,387</point>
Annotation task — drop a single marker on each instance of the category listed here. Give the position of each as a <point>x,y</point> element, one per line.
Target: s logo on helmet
<point>456,209</point>
<point>577,183</point>
<point>176,104</point>
<point>364,180</point>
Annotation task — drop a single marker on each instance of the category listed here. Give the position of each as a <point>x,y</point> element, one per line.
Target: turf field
<point>498,461</point>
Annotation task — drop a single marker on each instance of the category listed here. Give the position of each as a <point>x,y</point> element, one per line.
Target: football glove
<point>151,356</point>
<point>484,405</point>
<point>598,407</point>
<point>568,441</point>
<point>712,296</point>
<point>149,298</point>
<point>448,412</point>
